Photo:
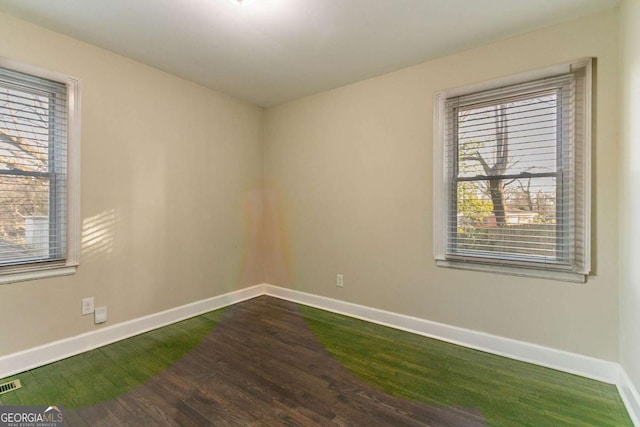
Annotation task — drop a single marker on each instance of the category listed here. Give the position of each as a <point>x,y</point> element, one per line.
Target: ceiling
<point>272,51</point>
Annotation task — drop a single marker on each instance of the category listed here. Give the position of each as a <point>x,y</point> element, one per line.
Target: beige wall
<point>630,212</point>
<point>350,174</point>
<point>171,172</point>
<point>172,178</point>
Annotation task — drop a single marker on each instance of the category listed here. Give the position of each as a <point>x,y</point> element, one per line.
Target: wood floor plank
<point>73,418</point>
<point>262,365</point>
<point>510,393</point>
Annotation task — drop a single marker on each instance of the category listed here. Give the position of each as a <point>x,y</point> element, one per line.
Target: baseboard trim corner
<point>630,396</point>
<point>601,370</point>
<point>560,360</point>
<point>22,361</point>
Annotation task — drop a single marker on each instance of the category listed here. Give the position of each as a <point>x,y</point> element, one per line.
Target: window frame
<point>443,184</point>
<point>18,272</point>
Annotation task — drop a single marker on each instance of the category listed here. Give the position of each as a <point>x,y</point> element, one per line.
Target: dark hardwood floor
<point>261,365</point>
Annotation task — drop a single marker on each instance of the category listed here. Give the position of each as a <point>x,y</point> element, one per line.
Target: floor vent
<point>10,386</point>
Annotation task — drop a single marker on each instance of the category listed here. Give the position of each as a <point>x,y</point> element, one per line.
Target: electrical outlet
<point>340,280</point>
<point>87,306</point>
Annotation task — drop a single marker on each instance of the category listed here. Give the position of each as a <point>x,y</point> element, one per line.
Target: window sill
<point>24,276</point>
<point>564,276</point>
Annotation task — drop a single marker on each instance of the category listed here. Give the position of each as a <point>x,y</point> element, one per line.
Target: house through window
<point>514,184</point>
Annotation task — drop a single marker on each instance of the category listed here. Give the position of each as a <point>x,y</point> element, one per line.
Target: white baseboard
<point>51,352</point>
<point>589,367</point>
<point>630,396</point>
<point>601,370</point>
<point>573,363</point>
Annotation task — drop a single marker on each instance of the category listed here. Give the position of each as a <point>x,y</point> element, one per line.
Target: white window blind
<point>33,169</point>
<point>515,175</point>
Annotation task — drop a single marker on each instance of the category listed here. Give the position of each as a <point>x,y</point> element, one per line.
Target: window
<point>512,175</point>
<point>38,173</point>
